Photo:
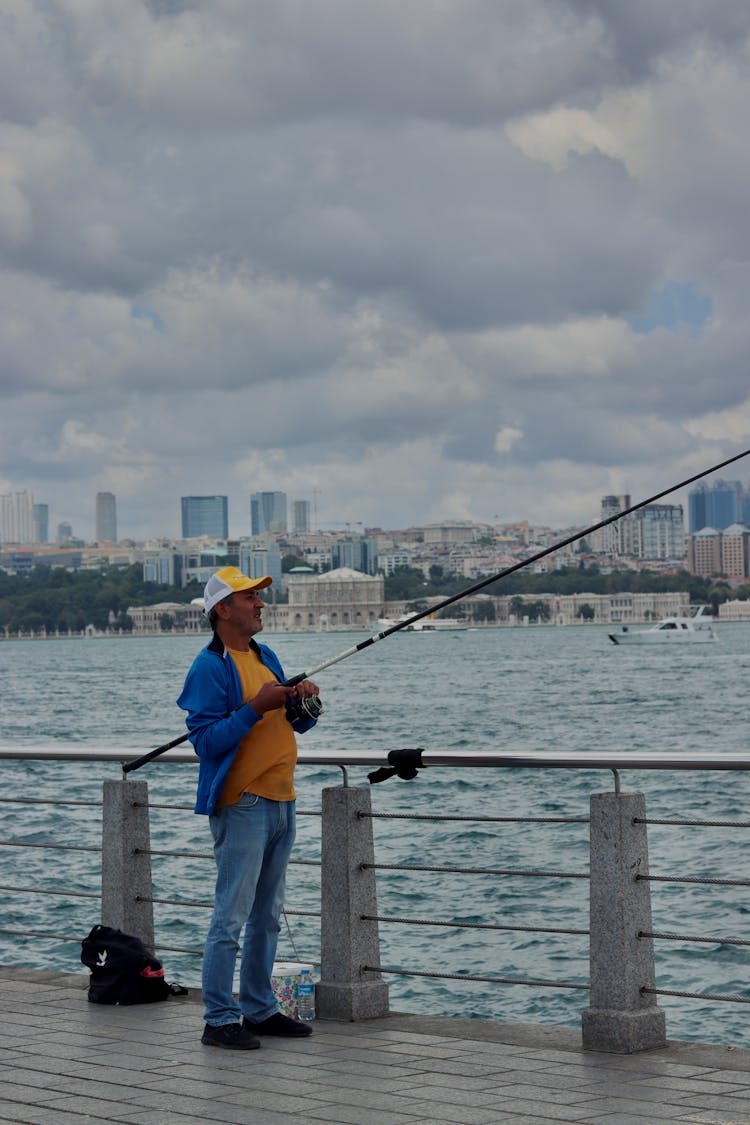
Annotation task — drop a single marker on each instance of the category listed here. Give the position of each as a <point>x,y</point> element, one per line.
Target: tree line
<point>56,599</point>
<point>53,598</point>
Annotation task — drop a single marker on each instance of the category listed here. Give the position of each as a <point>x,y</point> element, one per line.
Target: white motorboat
<point>425,625</point>
<point>697,629</point>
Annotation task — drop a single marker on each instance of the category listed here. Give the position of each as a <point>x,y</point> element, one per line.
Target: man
<point>242,720</point>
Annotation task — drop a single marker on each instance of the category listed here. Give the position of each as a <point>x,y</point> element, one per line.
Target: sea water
<point>506,689</point>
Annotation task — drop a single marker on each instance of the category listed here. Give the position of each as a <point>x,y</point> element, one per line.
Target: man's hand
<point>304,702</point>
<point>305,688</point>
<point>270,697</point>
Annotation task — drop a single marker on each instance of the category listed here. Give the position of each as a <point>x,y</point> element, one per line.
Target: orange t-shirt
<point>266,757</point>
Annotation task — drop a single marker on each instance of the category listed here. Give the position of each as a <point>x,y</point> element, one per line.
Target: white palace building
<point>342,599</point>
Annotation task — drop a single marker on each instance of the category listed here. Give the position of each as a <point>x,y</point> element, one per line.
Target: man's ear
<point>224,608</point>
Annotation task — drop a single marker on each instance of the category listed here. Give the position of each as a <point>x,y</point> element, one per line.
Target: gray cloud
<point>390,252</point>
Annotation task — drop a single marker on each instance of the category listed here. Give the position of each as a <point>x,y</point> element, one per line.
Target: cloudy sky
<point>418,260</point>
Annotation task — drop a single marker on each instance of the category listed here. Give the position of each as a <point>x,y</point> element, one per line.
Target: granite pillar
<point>345,990</point>
<point>126,860</point>
<point>620,1017</point>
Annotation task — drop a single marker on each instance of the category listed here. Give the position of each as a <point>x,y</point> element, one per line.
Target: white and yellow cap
<point>229,580</point>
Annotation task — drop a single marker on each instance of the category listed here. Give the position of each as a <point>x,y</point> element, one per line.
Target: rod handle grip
<point>138,762</point>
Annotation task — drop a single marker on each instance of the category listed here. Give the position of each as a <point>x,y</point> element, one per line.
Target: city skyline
<point>497,284</point>
<point>653,534</point>
<point>209,516</point>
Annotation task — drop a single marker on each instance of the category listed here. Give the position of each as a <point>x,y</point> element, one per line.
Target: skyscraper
<point>106,518</point>
<point>268,513</point>
<point>697,519</point>
<point>17,517</point>
<point>41,522</point>
<point>717,504</point>
<point>300,515</point>
<point>258,558</point>
<point>205,515</point>
<point>358,552</point>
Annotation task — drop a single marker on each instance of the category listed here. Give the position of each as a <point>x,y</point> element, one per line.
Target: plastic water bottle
<point>306,996</point>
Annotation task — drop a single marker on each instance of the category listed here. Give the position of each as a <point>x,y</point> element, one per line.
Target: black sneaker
<point>233,1036</point>
<point>278,1024</point>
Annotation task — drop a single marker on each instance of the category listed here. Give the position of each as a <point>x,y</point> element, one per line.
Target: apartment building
<point>712,551</point>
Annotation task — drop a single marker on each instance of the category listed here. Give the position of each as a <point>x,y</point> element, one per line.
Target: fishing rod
<point>473,589</point>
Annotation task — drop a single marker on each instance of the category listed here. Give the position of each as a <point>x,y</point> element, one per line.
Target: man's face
<point>244,612</point>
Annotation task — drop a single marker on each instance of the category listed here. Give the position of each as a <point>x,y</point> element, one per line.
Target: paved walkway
<point>66,1061</point>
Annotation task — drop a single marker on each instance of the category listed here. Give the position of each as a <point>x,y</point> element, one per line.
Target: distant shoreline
<point>100,635</point>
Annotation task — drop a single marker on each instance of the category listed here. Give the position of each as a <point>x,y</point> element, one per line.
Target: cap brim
<point>257,583</point>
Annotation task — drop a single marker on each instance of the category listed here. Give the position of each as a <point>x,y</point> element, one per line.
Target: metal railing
<point>622,1014</point>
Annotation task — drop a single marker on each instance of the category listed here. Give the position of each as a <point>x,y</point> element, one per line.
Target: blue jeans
<point>252,843</point>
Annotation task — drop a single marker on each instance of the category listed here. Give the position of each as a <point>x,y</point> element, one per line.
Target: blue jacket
<point>217,719</point>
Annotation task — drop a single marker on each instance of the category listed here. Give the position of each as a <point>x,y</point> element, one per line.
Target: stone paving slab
<point>64,1061</point>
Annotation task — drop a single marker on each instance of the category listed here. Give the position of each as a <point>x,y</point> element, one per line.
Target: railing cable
<point>700,881</point>
<point>44,891</point>
<point>695,995</point>
<point>469,976</point>
<point>471,925</point>
<point>191,808</point>
<point>40,934</point>
<point>693,823</point>
<point>48,801</point>
<point>690,938</point>
<point>476,819</point>
<point>207,855</point>
<point>475,870</point>
<point>51,847</point>
<point>208,905</point>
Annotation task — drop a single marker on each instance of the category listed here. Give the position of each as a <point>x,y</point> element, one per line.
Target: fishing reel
<point>309,707</point>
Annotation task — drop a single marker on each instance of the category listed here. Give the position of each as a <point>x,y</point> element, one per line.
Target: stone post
<point>126,860</point>
<point>348,942</point>
<point>620,1018</point>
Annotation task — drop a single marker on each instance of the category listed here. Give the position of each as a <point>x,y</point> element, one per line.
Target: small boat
<point>696,629</point>
<point>425,625</point>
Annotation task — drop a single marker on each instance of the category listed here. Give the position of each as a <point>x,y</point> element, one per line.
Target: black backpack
<point>123,971</point>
